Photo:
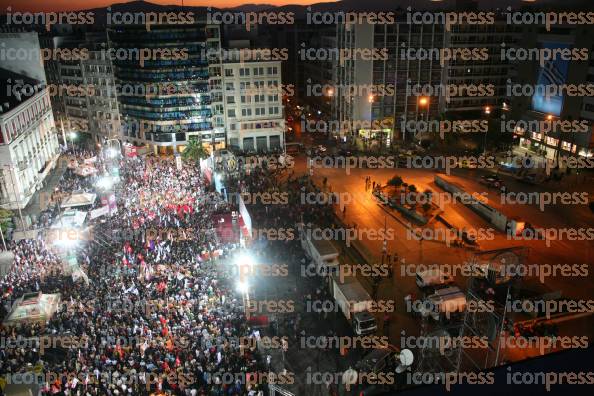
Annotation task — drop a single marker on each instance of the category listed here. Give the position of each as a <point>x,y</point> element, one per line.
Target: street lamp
<point>424,103</point>
<point>487,111</point>
<point>244,261</point>
<point>243,288</point>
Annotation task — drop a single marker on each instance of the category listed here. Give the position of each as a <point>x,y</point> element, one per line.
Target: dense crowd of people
<point>158,313</point>
<point>157,309</point>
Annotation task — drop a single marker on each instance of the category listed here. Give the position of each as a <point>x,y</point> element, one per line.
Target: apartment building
<point>318,88</point>
<point>490,74</point>
<point>164,100</point>
<point>29,146</point>
<point>375,92</point>
<point>564,106</point>
<point>84,83</point>
<point>253,109</point>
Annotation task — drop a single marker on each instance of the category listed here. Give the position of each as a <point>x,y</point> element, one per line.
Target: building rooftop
<point>15,89</point>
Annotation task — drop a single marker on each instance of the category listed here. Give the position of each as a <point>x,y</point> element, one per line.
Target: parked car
<point>432,277</point>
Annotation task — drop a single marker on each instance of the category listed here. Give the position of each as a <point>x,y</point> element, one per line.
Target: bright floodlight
<point>105,182</point>
<point>112,153</point>
<point>65,242</point>
<point>73,135</point>
<point>245,259</point>
<point>242,287</point>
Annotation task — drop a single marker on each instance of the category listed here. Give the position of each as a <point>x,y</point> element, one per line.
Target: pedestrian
<point>387,324</point>
<point>344,211</point>
<point>374,184</point>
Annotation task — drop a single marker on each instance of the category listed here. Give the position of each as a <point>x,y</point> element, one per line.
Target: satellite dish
<point>406,360</point>
<point>506,265</point>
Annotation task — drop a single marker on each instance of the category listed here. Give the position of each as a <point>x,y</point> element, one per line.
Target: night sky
<point>61,5</point>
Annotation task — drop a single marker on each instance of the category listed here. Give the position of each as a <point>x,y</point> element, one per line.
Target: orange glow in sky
<point>64,5</point>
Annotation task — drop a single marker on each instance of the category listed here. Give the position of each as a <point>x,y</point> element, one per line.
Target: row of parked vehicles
<point>442,297</point>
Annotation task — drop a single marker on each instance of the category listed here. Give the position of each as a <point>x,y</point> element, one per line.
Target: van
<point>432,277</point>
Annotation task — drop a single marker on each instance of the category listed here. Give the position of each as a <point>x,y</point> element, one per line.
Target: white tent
<point>70,219</point>
<point>80,199</point>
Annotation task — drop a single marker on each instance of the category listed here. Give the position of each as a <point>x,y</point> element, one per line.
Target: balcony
<point>22,165</point>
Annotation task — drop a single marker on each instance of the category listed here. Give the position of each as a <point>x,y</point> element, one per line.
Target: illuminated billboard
<point>553,72</point>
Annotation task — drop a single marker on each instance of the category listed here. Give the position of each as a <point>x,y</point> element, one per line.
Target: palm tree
<point>195,151</point>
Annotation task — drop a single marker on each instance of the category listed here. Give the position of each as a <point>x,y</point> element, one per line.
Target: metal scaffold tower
<point>493,282</point>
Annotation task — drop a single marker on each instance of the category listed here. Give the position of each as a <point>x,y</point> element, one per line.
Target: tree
<point>194,151</point>
<point>412,188</point>
<point>396,181</point>
<point>5,220</point>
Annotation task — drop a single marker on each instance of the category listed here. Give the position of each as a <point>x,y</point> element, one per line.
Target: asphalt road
<point>364,211</point>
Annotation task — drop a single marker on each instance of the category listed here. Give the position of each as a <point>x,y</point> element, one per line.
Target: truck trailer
<point>354,302</point>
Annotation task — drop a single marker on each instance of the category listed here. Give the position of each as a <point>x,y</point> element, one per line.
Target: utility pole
<point>2,235</point>
<point>63,133</point>
<point>9,167</point>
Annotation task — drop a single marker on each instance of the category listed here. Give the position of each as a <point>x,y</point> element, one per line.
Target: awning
<point>33,307</point>
<point>81,199</point>
<point>70,219</point>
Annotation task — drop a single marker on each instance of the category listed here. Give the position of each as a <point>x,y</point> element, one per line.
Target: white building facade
<point>253,107</point>
<point>29,148</point>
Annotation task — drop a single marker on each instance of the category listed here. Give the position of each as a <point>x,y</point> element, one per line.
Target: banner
<point>99,212</point>
<point>113,207</point>
<point>245,215</point>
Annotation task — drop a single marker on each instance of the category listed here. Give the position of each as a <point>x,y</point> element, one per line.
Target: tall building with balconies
<point>490,75</point>
<point>374,91</point>
<point>164,98</point>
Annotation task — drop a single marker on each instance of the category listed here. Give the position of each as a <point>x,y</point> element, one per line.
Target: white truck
<point>322,252</point>
<point>444,302</point>
<point>354,302</point>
